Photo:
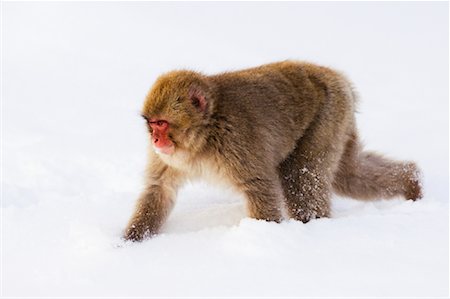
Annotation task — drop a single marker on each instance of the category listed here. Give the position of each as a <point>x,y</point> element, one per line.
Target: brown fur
<point>279,133</point>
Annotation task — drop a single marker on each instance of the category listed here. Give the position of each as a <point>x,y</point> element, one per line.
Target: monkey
<point>282,134</point>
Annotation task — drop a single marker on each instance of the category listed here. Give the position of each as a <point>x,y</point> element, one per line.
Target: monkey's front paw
<point>135,233</point>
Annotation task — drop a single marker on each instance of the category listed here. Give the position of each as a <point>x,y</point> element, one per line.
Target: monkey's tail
<point>368,175</point>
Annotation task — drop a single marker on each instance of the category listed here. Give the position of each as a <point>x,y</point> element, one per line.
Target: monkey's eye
<point>161,124</point>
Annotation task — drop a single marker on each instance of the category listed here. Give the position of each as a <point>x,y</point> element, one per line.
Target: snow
<point>74,77</point>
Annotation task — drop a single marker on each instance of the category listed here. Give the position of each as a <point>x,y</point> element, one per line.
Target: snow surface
<point>74,77</point>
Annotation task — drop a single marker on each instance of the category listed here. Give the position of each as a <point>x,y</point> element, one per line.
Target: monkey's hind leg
<point>367,175</point>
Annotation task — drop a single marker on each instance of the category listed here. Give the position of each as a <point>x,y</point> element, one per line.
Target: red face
<point>160,136</point>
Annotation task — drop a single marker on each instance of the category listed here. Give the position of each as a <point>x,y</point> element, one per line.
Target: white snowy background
<point>74,78</point>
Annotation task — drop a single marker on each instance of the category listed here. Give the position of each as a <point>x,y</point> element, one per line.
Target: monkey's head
<point>177,109</point>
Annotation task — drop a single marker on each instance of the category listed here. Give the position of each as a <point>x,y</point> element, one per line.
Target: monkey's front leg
<point>263,198</point>
<point>155,203</point>
<point>152,209</point>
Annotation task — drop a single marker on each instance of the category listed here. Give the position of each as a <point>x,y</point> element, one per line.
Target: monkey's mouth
<point>166,150</point>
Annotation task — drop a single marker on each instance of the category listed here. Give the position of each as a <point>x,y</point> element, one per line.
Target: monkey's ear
<point>198,98</point>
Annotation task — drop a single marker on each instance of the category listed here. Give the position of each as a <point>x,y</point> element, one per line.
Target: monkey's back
<point>276,103</point>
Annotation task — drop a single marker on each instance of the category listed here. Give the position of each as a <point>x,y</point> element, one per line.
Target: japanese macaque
<point>282,134</point>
